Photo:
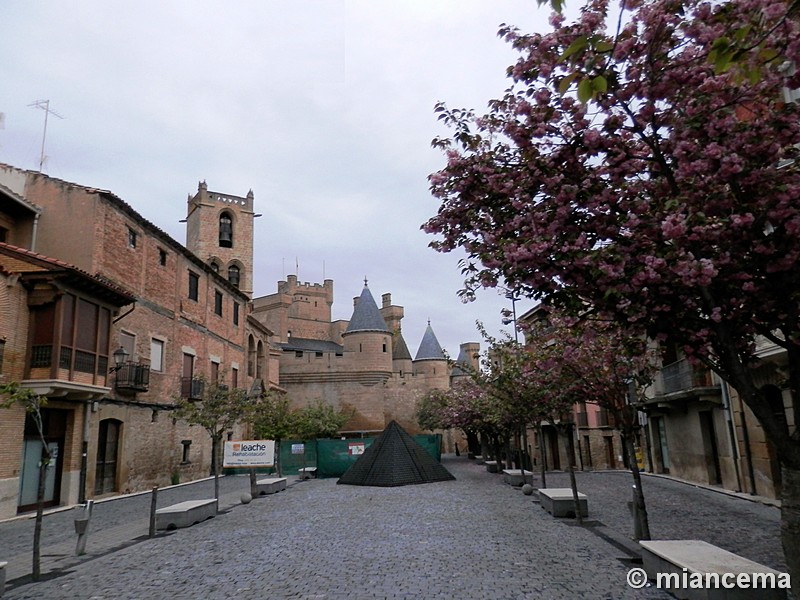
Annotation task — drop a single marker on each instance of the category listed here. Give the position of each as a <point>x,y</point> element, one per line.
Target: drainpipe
<point>34,231</point>
<point>726,406</point>
<point>87,409</point>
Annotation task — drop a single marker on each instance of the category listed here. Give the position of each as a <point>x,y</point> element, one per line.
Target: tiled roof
<point>400,349</point>
<point>366,316</point>
<point>429,348</point>
<point>27,261</point>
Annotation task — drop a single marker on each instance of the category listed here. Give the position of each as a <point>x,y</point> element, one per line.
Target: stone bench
<point>684,557</point>
<point>491,466</point>
<point>517,477</point>
<point>307,472</point>
<point>559,502</point>
<point>185,514</point>
<point>271,485</point>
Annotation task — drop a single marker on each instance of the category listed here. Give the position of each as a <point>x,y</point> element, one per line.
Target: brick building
<point>189,318</point>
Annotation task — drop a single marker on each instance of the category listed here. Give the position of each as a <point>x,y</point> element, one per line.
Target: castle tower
<point>430,360</point>
<point>468,361</point>
<point>367,336</point>
<point>219,230</point>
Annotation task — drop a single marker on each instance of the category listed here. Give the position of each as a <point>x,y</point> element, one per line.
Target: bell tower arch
<point>219,230</point>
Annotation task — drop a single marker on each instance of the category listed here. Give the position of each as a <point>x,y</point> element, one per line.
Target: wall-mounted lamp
<point>120,358</point>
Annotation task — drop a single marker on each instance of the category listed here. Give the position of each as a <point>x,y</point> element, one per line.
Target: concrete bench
<point>307,472</point>
<point>185,514</point>
<point>559,502</point>
<point>684,557</point>
<point>491,466</point>
<point>517,477</point>
<point>271,485</point>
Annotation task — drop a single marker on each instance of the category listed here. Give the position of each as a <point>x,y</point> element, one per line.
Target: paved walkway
<point>471,538</point>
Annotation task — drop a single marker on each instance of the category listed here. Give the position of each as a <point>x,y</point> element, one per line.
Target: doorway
<point>105,479</point>
<point>54,427</point>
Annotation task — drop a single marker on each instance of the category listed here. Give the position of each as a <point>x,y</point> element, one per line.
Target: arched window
<point>260,361</point>
<point>234,275</point>
<point>225,230</point>
<point>214,266</point>
<point>251,357</point>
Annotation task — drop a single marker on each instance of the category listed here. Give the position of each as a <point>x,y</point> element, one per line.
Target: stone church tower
<point>219,229</point>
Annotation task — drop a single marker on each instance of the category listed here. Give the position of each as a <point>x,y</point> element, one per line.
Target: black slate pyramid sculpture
<point>393,459</point>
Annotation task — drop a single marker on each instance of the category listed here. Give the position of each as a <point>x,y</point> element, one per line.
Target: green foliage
<point>272,418</point>
<point>430,410</point>
<point>219,409</point>
<point>319,420</point>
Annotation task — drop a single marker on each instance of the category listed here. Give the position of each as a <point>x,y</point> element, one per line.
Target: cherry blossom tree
<point>644,163</point>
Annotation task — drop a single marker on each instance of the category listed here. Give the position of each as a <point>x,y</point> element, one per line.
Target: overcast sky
<point>324,109</point>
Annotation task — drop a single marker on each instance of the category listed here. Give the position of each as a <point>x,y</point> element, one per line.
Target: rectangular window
<point>234,377</point>
<point>235,313</point>
<point>218,302</point>
<point>131,238</point>
<point>156,355</point>
<point>194,286</point>
<point>214,371</point>
<point>162,257</point>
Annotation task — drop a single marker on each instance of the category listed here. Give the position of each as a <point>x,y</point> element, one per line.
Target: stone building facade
<point>189,319</point>
<point>362,366</point>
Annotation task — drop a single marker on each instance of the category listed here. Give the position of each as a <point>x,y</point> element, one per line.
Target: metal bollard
<point>82,527</point>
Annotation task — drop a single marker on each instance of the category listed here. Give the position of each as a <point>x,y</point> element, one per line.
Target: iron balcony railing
<point>133,376</point>
<point>682,375</point>
<point>191,388</point>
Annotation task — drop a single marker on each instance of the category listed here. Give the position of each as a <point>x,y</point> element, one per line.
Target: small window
<point>3,234</point>
<point>214,266</point>
<point>384,347</point>
<point>234,275</point>
<point>318,354</point>
<point>234,377</point>
<point>162,257</point>
<point>131,238</point>
<point>298,354</point>
<point>235,313</point>
<point>214,371</point>
<point>194,285</point>
<point>156,355</point>
<point>218,302</point>
<point>186,445</point>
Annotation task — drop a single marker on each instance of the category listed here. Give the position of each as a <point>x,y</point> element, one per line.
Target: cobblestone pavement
<point>475,537</point>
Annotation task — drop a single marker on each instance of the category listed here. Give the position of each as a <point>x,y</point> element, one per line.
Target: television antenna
<point>45,106</point>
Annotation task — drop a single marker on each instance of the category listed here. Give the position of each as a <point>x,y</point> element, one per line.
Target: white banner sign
<point>250,453</point>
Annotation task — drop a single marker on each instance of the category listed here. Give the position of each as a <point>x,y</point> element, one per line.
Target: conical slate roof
<point>429,348</point>
<point>394,459</point>
<point>400,349</point>
<point>463,364</point>
<point>366,316</point>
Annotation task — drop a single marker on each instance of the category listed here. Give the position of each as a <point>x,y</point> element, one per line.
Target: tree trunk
<point>215,464</point>
<point>542,458</point>
<point>484,447</point>
<point>278,457</point>
<point>790,524</point>
<point>640,508</point>
<point>37,529</point>
<point>253,485</point>
<point>567,432</point>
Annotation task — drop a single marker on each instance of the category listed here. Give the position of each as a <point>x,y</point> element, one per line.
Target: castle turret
<point>430,360</point>
<point>467,361</point>
<point>368,335</point>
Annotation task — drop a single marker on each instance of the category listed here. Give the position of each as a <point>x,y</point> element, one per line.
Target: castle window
<point>131,238</point>
<point>214,266</point>
<point>194,285</point>
<point>384,347</point>
<point>233,275</point>
<point>298,354</point>
<point>235,313</point>
<point>225,230</point>
<point>318,354</point>
<point>162,257</point>
<point>218,302</point>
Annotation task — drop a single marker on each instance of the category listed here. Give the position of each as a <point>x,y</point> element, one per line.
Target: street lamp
<point>120,358</point>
